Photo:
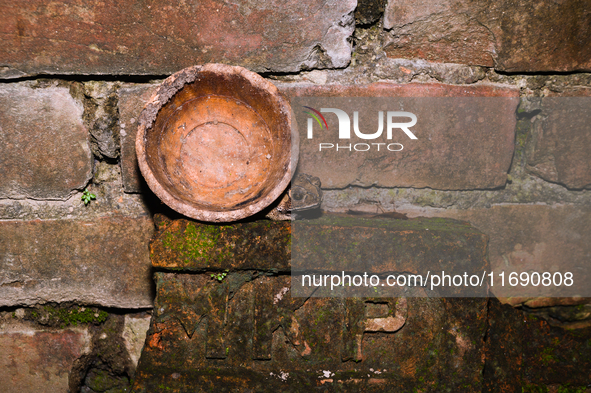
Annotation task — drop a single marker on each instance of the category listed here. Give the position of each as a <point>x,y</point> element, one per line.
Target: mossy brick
<point>103,261</point>
<point>65,316</point>
<point>331,243</point>
<point>160,38</point>
<point>524,352</point>
<point>247,333</point>
<point>44,149</point>
<point>190,245</point>
<point>465,135</point>
<point>352,243</point>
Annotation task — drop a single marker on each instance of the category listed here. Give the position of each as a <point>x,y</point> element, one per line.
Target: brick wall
<point>74,77</point>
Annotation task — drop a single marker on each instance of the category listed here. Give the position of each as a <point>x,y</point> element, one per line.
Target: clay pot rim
<point>167,89</point>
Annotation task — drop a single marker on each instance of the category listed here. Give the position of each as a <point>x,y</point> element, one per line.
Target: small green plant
<point>220,276</point>
<point>87,196</point>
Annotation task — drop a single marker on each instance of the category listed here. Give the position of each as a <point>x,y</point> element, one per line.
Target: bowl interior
<point>220,143</point>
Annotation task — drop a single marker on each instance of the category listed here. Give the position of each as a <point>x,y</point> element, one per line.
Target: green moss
<point>199,243</point>
<point>569,389</point>
<point>531,388</point>
<point>548,356</point>
<point>68,316</point>
<point>102,381</point>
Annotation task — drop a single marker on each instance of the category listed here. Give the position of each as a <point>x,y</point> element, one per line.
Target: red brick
<point>534,238</point>
<point>452,152</point>
<point>132,99</point>
<point>254,335</point>
<point>433,31</point>
<point>104,262</point>
<point>561,137</point>
<point>44,151</point>
<point>34,361</point>
<point>514,36</point>
<point>156,38</point>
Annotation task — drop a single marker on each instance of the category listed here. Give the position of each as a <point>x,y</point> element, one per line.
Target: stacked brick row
<point>75,75</point>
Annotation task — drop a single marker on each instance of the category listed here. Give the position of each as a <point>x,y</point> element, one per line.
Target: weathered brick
<point>522,350</point>
<point>561,137</point>
<point>103,261</point>
<point>435,32</point>
<point>157,38</point>
<point>454,150</point>
<point>374,245</point>
<point>337,243</point>
<point>252,335</point>
<point>194,246</point>
<point>34,360</point>
<point>488,154</point>
<point>514,36</point>
<point>534,238</point>
<point>44,151</point>
<point>132,99</point>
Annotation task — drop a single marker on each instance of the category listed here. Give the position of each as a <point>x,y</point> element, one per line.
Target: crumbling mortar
<point>111,201</point>
<point>108,361</point>
<point>369,12</point>
<point>530,86</point>
<point>318,58</point>
<point>537,85</point>
<point>524,189</point>
<point>101,117</point>
<point>105,360</point>
<point>93,97</point>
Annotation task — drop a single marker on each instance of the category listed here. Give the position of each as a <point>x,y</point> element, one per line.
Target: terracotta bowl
<point>214,143</point>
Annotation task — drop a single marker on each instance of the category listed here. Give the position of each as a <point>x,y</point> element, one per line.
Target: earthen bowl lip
<point>167,89</point>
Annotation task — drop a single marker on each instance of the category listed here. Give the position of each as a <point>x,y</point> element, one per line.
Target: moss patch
<point>63,316</point>
<point>198,243</point>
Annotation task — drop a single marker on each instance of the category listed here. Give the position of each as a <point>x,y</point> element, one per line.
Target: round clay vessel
<point>214,143</point>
